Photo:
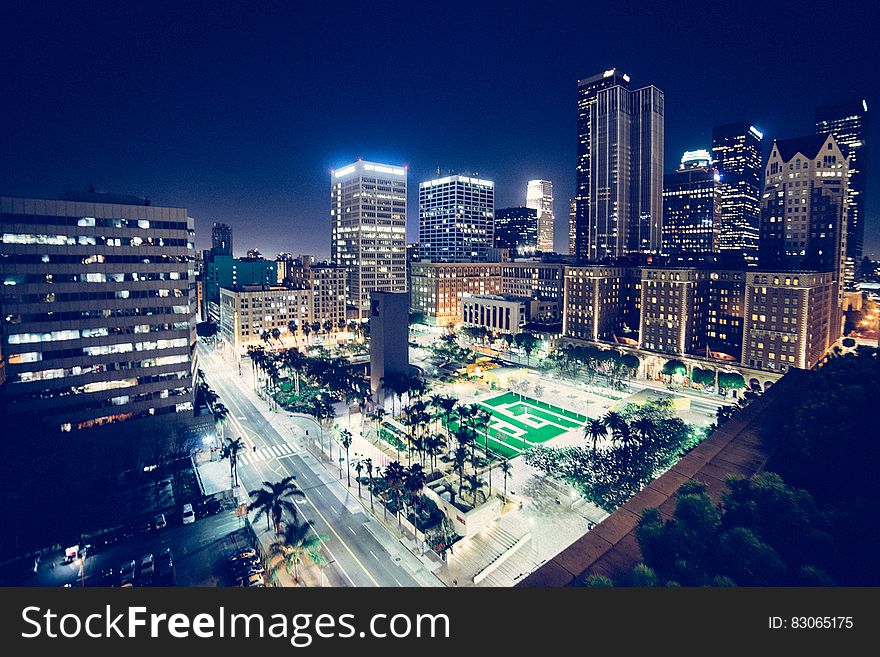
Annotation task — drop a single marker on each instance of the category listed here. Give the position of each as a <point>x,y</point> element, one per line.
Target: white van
<point>188,515</point>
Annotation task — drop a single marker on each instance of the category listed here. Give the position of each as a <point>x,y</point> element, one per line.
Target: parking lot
<point>199,554</point>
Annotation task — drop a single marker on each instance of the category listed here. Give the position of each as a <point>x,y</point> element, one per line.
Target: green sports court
<point>519,422</point>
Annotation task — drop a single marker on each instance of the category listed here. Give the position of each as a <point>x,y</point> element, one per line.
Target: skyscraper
<point>692,206</point>
<point>221,239</point>
<point>517,229</point>
<point>99,309</point>
<point>456,219</point>
<point>618,202</point>
<point>368,229</point>
<point>803,219</point>
<point>539,196</point>
<point>736,151</point>
<point>848,122</point>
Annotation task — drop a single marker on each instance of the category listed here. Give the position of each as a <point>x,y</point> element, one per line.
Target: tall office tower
<point>517,229</point>
<point>572,226</point>
<point>736,151</point>
<point>539,196</point>
<point>692,206</point>
<point>368,229</point>
<point>221,239</point>
<point>619,191</point>
<point>848,122</point>
<point>803,209</point>
<point>99,309</point>
<point>456,219</point>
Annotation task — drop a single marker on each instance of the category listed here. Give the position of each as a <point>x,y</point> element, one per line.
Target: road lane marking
<point>334,509</point>
<point>398,583</point>
<point>373,553</point>
<point>234,422</point>
<point>352,531</point>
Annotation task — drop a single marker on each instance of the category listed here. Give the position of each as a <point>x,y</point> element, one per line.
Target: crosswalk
<point>265,454</point>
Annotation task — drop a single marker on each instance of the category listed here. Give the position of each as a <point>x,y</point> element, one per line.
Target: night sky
<point>238,113</point>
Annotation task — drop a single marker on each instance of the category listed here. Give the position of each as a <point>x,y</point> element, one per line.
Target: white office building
<point>368,229</point>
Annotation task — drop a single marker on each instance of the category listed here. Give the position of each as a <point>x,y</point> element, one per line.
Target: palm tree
<point>595,430</point>
<point>273,499</point>
<point>345,439</point>
<point>327,325</point>
<point>646,428</point>
<point>231,450</point>
<point>296,542</point>
<point>368,466</point>
<point>475,485</point>
<point>434,446</point>
<point>505,470</point>
<point>220,415</point>
<point>459,458</point>
<point>379,415</point>
<point>306,329</point>
<point>358,468</point>
<point>614,421</point>
<point>395,475</point>
<point>414,481</point>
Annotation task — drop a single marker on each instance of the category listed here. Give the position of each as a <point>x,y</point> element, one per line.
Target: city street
<point>362,552</point>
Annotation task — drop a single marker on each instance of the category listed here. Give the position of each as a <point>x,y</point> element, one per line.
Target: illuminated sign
<point>756,132</point>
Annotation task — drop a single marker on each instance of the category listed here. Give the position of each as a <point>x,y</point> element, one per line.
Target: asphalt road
<point>357,557</point>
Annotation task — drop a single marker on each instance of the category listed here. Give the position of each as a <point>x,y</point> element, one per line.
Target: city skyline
<point>268,166</point>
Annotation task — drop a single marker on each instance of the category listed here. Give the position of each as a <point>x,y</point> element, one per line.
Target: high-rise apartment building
<point>99,308</point>
<point>456,219</point>
<point>803,208</point>
<point>221,239</point>
<point>736,154</point>
<point>517,229</point>
<point>368,229</point>
<point>618,202</point>
<point>692,206</point>
<point>539,197</point>
<point>848,122</point>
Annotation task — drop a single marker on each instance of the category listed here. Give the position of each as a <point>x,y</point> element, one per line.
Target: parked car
<point>165,566</point>
<point>245,553</point>
<point>126,573</point>
<point>208,508</point>
<point>160,521</point>
<point>188,516</point>
<point>250,580</point>
<point>148,566</point>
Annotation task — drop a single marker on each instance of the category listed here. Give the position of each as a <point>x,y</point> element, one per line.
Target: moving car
<point>160,521</point>
<point>188,516</point>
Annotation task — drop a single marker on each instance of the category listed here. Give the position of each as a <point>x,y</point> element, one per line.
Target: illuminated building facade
<point>99,308</point>
<point>736,154</point>
<point>539,197</point>
<point>692,206</point>
<point>456,219</point>
<point>848,122</point>
<point>517,229</point>
<point>803,208</point>
<point>368,229</point>
<point>619,187</point>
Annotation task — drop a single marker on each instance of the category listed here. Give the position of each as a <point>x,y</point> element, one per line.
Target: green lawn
<point>518,422</point>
